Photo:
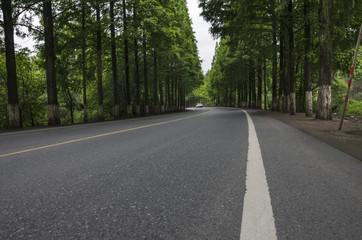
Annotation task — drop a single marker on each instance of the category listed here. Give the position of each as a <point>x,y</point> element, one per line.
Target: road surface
<point>211,173</point>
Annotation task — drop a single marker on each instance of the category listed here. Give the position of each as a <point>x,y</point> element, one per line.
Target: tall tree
<point>126,60</point>
<point>275,63</point>
<point>307,61</point>
<point>99,63</point>
<point>114,61</point>
<point>136,62</point>
<point>324,101</point>
<point>162,106</point>
<point>155,82</point>
<point>281,67</point>
<point>290,71</point>
<point>258,105</point>
<point>53,106</point>
<point>84,73</point>
<point>13,101</point>
<point>145,72</point>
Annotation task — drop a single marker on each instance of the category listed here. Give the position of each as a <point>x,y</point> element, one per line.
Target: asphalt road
<point>178,176</point>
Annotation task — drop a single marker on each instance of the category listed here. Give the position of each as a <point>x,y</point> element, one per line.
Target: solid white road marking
<point>258,221</point>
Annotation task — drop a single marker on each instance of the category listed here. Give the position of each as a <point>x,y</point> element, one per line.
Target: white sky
<point>205,42</point>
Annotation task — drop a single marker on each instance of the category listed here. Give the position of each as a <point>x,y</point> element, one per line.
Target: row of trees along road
<point>95,60</point>
<point>283,45</point>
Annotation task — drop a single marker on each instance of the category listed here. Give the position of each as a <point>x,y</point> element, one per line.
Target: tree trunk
<point>291,73</point>
<point>324,108</point>
<point>136,63</point>
<point>53,106</point>
<point>71,105</point>
<point>281,69</point>
<point>265,102</point>
<point>239,94</point>
<point>260,76</point>
<point>137,78</point>
<point>114,62</point>
<point>145,74</point>
<point>252,84</point>
<point>13,99</point>
<point>168,95</point>
<point>126,61</point>
<point>275,65</point>
<point>245,94</point>
<point>155,94</point>
<point>85,113</point>
<point>171,95</point>
<point>307,62</point>
<point>99,64</point>
<point>160,84</point>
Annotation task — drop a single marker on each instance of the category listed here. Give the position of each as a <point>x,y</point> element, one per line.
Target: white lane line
<point>258,220</point>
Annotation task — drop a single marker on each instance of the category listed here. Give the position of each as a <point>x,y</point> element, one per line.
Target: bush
<point>354,108</point>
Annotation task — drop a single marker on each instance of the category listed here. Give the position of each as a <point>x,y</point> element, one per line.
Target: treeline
<point>278,54</point>
<point>95,60</point>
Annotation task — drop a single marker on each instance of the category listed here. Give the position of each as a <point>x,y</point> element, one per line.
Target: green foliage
<point>166,26</point>
<point>339,89</point>
<point>246,29</point>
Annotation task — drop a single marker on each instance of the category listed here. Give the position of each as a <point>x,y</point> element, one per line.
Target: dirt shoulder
<point>348,140</point>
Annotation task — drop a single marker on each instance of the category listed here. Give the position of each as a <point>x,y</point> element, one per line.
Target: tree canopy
<point>96,60</point>
<point>275,51</point>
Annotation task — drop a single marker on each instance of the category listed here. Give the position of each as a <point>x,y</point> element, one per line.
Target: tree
<point>136,63</point>
<point>114,61</point>
<point>13,101</point>
<point>99,63</point>
<point>84,71</point>
<point>81,66</point>
<point>53,105</point>
<point>126,60</point>
<point>324,110</point>
<point>290,71</point>
<point>307,60</point>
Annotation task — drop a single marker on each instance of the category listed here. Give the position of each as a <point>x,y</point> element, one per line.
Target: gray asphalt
<point>178,180</point>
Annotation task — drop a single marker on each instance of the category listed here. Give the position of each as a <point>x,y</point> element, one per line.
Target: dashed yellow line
<point>101,135</point>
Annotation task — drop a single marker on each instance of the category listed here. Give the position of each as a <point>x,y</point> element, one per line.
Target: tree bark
<point>260,76</point>
<point>168,95</point>
<point>85,113</point>
<point>275,65</point>
<point>145,73</point>
<point>291,73</point>
<point>126,61</point>
<point>265,98</point>
<point>53,106</point>
<point>324,107</point>
<point>137,76</point>
<point>281,68</point>
<point>99,64</point>
<point>13,99</point>
<point>252,81</point>
<point>114,62</point>
<point>307,62</point>
<point>155,94</point>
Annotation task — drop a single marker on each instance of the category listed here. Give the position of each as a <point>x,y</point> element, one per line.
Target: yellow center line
<point>101,135</point>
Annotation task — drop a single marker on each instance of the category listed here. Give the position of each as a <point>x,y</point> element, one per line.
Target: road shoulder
<point>348,140</point>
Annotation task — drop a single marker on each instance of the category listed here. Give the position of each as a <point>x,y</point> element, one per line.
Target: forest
<point>95,60</point>
<point>284,55</point>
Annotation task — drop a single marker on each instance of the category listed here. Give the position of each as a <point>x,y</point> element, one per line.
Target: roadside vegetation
<point>95,60</point>
<point>287,56</point>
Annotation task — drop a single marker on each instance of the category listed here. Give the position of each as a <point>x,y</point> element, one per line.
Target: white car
<point>199,105</point>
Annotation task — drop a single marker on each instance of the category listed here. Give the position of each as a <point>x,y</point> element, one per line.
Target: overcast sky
<point>205,42</point>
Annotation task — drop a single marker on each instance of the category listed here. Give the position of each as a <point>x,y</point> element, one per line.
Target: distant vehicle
<point>199,105</point>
